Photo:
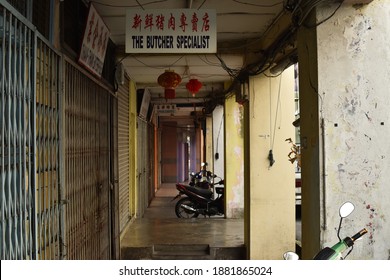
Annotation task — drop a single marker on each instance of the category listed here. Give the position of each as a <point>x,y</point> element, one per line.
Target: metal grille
<point>29,125</point>
<point>48,152</point>
<point>17,138</point>
<point>87,190</point>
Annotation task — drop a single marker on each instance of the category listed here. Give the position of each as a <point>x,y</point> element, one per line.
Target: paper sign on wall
<point>94,45</point>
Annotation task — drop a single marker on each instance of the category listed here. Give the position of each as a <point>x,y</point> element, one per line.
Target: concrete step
<point>182,252</point>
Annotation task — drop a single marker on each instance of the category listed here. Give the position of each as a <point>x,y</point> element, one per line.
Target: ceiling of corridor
<point>241,25</point>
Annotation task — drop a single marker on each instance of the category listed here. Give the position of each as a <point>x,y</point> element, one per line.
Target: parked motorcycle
<point>199,201</point>
<point>336,251</point>
<point>203,178</point>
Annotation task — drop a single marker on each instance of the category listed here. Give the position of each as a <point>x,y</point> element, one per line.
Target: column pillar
<point>234,157</point>
<point>344,82</point>
<point>270,203</point>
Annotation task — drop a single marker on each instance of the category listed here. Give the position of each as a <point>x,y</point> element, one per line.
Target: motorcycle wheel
<point>184,213</point>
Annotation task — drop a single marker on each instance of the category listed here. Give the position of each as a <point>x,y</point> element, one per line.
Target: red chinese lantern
<point>169,80</point>
<point>193,86</point>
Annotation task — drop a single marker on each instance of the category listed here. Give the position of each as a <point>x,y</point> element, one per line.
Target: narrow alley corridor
<point>161,235</point>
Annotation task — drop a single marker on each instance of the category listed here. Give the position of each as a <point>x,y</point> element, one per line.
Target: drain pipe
<point>324,220</point>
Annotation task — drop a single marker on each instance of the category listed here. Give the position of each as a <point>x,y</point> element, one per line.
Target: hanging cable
<point>270,153</point>
<point>299,10</point>
<point>259,5</point>
<point>128,6</point>
<point>273,133</point>
<point>200,6</point>
<point>277,112</point>
<point>219,131</point>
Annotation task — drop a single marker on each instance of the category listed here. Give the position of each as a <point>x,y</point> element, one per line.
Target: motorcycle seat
<point>207,193</point>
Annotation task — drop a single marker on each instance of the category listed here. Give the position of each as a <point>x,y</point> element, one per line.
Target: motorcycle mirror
<point>346,209</point>
<point>290,256</point>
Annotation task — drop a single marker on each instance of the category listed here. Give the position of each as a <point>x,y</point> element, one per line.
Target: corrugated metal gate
<point>30,225</point>
<point>88,229</point>
<point>151,166</point>
<point>48,152</point>
<point>143,166</point>
<point>41,217</point>
<point>124,154</point>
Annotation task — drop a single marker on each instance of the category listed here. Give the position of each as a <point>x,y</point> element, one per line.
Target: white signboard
<point>143,112</point>
<point>94,46</point>
<point>171,31</point>
<point>165,108</point>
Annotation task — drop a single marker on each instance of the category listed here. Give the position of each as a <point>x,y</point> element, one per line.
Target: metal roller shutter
<point>142,166</point>
<point>123,154</point>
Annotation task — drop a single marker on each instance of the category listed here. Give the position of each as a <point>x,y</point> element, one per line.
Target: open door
<point>169,153</point>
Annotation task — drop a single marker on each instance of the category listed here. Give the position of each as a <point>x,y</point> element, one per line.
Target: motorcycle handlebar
<point>359,234</point>
<point>218,183</point>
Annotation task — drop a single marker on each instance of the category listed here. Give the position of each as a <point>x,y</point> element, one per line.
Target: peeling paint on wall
<point>239,120</point>
<point>357,28</point>
<point>376,220</point>
<point>234,192</point>
<point>354,78</point>
<point>235,207</point>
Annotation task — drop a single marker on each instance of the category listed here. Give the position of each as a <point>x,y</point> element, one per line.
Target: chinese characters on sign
<point>165,109</point>
<point>171,31</point>
<point>94,45</point>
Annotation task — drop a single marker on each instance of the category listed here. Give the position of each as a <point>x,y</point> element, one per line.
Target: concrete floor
<point>161,235</point>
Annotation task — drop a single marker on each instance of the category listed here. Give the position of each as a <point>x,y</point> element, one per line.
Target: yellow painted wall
<point>234,158</point>
<point>271,199</point>
<point>133,193</point>
<point>310,141</point>
<point>209,143</point>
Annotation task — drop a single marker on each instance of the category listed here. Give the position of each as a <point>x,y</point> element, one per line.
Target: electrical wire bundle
<point>300,10</point>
